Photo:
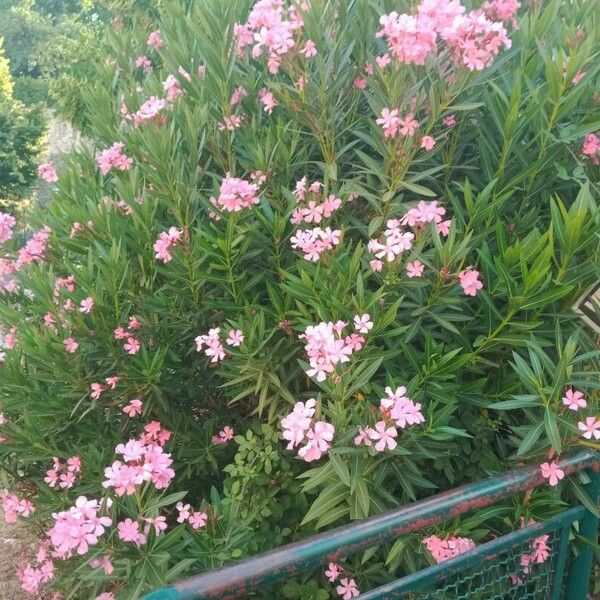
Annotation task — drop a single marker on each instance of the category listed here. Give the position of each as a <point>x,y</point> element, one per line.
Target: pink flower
<point>74,464</point>
<point>172,88</point>
<point>383,61</point>
<point>590,428</point>
<point>238,94</point>
<point>469,281</point>
<point>389,122</point>
<point>309,50</point>
<point>552,473</point>
<point>333,571</point>
<point>132,345</point>
<point>384,436</point>
<point>86,305</point>
<point>212,341</point>
<point>376,264</point>
<point>359,83</point>
<point>164,243</point>
<point>145,63</point>
<point>120,333</point>
<point>197,520</point>
<point>2,418</point>
<point>427,142</point>
<point>129,531</point>
<point>114,158</point>
<point>134,408</point>
<point>574,399</point>
<point>591,147</point>
<point>184,512</point>
<point>66,480</point>
<point>70,345</point>
<point>7,223</point>
<point>578,77</point>
<point>363,437</point>
<point>159,524</point>
<point>442,550</point>
<point>235,194</point>
<point>363,323</point>
<point>449,121</point>
<point>106,596</point>
<point>111,382</point>
<point>408,125</point>
<point>347,589</point>
<point>235,337</point>
<point>410,39</point>
<point>77,528</point>
<point>103,563</point>
<point>268,100</point>
<point>96,390</point>
<point>133,323</point>
<point>224,436</point>
<point>415,268</point>
<point>149,110</point>
<point>47,173</point>
<point>297,423</point>
<point>155,39</point>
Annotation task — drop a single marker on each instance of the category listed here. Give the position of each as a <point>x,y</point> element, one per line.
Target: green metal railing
<point>492,571</point>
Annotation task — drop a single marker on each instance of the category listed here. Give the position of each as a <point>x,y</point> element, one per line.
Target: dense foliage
<point>303,237</point>
<point>21,130</point>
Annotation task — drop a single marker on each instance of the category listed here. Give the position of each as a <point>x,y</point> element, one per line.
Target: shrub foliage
<point>390,233</point>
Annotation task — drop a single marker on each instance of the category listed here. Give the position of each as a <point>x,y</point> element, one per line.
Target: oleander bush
<point>321,263</point>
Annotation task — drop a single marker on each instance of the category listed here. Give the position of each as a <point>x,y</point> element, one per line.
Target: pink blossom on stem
<point>384,436</point>
<point>469,281</point>
<point>590,428</point>
<point>347,589</point>
<point>7,223</point>
<point>47,173</point>
<point>442,550</point>
<point>129,531</point>
<point>415,269</point>
<point>70,345</point>
<point>198,520</point>
<point>333,571</point>
<point>235,337</point>
<point>132,345</point>
<point>134,408</point>
<point>235,194</point>
<point>427,142</point>
<point>155,39</point>
<point>552,473</point>
<point>114,158</point>
<point>574,399</point>
<point>224,436</point>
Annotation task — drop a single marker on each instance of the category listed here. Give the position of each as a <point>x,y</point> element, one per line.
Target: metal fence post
<point>581,568</point>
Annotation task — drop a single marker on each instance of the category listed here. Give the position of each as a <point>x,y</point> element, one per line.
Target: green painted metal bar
<point>237,579</point>
<point>580,571</point>
<point>557,584</point>
<point>435,574</point>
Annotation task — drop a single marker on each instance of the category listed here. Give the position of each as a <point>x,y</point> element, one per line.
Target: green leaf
<point>328,499</point>
<point>551,427</point>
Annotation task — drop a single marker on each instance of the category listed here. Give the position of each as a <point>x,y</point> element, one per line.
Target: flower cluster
<point>13,507</point>
<point>32,578</point>
<point>35,249</point>
<point>397,410</point>
<point>270,28</point>
<point>212,345</point>
<point>316,241</point>
<point>149,110</point>
<point>7,223</point>
<point>469,281</point>
<point>63,475</point>
<point>78,528</point>
<point>143,461</point>
<point>166,240</point>
<point>187,514</point>
<point>224,436</point>
<point>394,243</point>
<point>299,428</point>
<point>591,148</point>
<point>132,344</point>
<point>472,39</point>
<point>314,211</point>
<point>444,549</point>
<point>235,194</point>
<point>326,347</point>
<point>393,124</point>
<point>114,158</point>
<point>47,172</point>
